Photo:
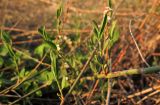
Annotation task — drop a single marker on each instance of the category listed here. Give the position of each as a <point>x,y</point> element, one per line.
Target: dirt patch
<point>26,13</point>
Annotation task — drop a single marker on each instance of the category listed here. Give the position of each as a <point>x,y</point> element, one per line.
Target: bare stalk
<point>77,79</point>
<point>109,85</point>
<point>139,51</point>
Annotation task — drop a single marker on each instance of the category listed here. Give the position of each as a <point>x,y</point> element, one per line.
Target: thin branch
<point>143,92</point>
<point>148,70</point>
<point>151,94</point>
<point>109,85</point>
<point>139,51</point>
<point>78,78</point>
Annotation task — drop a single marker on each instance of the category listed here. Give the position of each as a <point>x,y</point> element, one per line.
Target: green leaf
<point>41,30</point>
<point>50,77</point>
<point>59,11</point>
<point>110,3</point>
<point>93,67</point>
<point>46,76</point>
<point>40,49</point>
<point>64,83</point>
<point>103,25</point>
<point>39,93</point>
<point>1,61</point>
<point>52,45</point>
<point>34,86</point>
<point>112,28</point>
<point>96,30</point>
<point>22,73</point>
<point>3,51</point>
<point>114,34</point>
<point>46,37</point>
<point>97,60</point>
<point>43,77</point>
<point>7,43</point>
<point>5,37</point>
<point>26,85</point>
<point>53,64</point>
<point>43,33</point>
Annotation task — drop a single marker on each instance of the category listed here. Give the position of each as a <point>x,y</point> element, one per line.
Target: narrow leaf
<point>96,30</point>
<point>64,83</point>
<point>59,11</point>
<point>110,3</point>
<point>53,64</point>
<point>52,45</point>
<point>112,28</point>
<point>103,25</point>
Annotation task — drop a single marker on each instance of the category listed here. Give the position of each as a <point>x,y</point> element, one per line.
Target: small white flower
<point>59,36</point>
<point>64,37</point>
<point>69,41</point>
<point>109,18</point>
<point>66,65</point>
<point>58,47</point>
<point>66,78</point>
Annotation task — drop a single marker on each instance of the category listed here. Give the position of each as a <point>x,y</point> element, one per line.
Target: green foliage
<point>99,32</point>
<point>110,3</point>
<point>104,22</point>
<point>1,61</point>
<point>96,29</point>
<point>59,11</point>
<point>41,49</point>
<point>63,67</point>
<point>46,76</point>
<point>3,51</point>
<point>46,37</point>
<point>8,43</point>
<point>64,83</point>
<point>113,34</point>
<point>54,70</point>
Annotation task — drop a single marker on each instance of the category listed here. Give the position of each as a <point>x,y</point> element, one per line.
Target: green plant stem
<point>53,69</point>
<point>78,78</point>
<point>109,88</point>
<point>59,87</point>
<point>148,70</point>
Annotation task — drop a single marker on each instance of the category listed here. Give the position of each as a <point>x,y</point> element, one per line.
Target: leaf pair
<point>47,37</point>
<point>59,11</point>
<point>113,34</point>
<point>40,50</point>
<point>99,32</point>
<point>7,43</point>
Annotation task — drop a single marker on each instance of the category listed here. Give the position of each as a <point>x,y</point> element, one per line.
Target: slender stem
<point>77,79</point>
<point>109,85</point>
<point>139,51</point>
<point>148,70</point>
<point>130,72</point>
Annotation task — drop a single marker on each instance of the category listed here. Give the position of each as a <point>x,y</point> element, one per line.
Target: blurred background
<point>24,17</point>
